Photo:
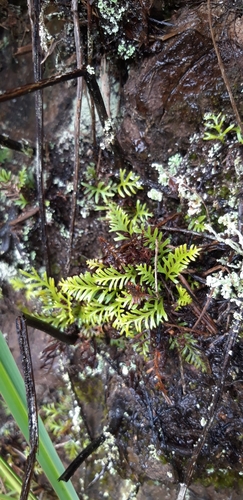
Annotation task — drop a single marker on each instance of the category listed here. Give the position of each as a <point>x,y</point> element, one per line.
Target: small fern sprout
<point>184,298</point>
<point>215,124</point>
<point>197,224</point>
<point>129,184</point>
<point>100,192</point>
<point>186,344</point>
<point>5,176</point>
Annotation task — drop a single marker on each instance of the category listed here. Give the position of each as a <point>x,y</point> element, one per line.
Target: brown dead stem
<point>195,306</point>
<point>77,128</point>
<point>34,14</point>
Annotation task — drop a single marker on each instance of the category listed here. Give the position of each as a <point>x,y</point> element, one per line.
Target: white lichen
<point>112,13</point>
<point>155,195</point>
<point>126,50</point>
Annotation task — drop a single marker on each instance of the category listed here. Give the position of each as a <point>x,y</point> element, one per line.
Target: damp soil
<point>162,96</point>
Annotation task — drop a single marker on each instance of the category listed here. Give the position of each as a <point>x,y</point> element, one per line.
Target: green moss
<point>221,478</point>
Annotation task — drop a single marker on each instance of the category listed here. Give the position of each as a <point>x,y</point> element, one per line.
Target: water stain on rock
<point>167,94</point>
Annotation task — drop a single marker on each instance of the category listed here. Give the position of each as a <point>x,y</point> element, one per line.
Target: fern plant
<point>128,288</point>
<point>217,131</point>
<point>186,344</point>
<point>101,192</point>
<point>11,185</point>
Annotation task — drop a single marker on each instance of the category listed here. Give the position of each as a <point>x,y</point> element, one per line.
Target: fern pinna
<point>127,289</point>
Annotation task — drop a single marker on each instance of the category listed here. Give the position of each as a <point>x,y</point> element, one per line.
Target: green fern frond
<point>39,286</point>
<point>151,236</point>
<point>53,318</point>
<point>99,192</point>
<point>72,448</point>
<point>147,317</point>
<point>143,346</point>
<point>187,346</point>
<point>197,224</point>
<point>119,222</point>
<point>141,213</point>
<point>17,283</point>
<point>146,273</point>
<point>82,287</point>
<point>56,307</point>
<point>94,263</point>
<point>5,176</point>
<point>128,184</point>
<point>22,177</point>
<point>113,278</point>
<point>184,298</point>
<point>175,263</point>
<point>96,314</point>
<point>21,201</point>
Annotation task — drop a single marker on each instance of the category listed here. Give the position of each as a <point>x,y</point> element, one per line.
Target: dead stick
<point>34,14</point>
<point>203,310</point>
<point>42,84</point>
<point>77,129</point>
<point>21,328</point>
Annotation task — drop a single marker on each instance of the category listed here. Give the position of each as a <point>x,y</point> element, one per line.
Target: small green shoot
<point>100,192</point>
<point>216,131</point>
<point>197,224</point>
<point>5,154</point>
<point>5,176</point>
<point>186,344</point>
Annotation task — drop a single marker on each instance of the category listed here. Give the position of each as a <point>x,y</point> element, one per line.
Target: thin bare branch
<point>69,339</point>
<point>77,129</point>
<point>203,310</point>
<point>42,84</point>
<point>90,46</point>
<point>21,328</point>
<point>34,14</point>
<point>19,146</point>
<point>156,266</point>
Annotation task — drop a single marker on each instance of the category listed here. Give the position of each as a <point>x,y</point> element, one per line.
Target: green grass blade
<point>7,497</point>
<point>13,391</point>
<point>12,481</point>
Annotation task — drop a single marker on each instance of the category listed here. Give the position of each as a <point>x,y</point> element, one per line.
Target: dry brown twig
<point>77,128</point>
<point>34,14</point>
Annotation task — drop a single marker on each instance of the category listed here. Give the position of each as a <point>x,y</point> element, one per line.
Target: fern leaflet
<point>101,191</point>
<point>119,222</point>
<point>176,262</point>
<point>184,298</point>
<point>146,274</point>
<point>186,345</point>
<point>141,213</point>
<point>128,184</point>
<point>80,287</point>
<point>148,317</point>
<point>112,277</point>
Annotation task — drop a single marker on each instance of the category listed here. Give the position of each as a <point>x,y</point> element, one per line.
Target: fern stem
<point>51,330</point>
<point>156,266</point>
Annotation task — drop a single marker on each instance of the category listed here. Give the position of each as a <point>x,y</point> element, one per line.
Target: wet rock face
<point>167,95</point>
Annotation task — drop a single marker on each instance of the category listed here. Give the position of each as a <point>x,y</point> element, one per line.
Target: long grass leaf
<point>12,480</point>
<point>13,391</point>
